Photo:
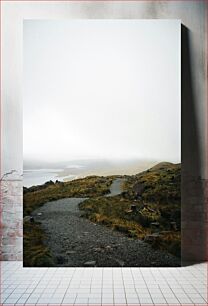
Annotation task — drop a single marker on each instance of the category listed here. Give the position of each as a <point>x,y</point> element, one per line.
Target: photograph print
<point>102,143</point>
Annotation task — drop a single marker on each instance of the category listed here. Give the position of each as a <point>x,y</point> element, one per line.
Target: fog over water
<point>101,90</point>
<point>37,173</point>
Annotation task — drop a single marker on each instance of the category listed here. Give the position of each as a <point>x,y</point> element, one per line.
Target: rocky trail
<point>76,242</point>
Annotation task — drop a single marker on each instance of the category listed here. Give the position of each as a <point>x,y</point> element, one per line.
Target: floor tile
<point>131,286</point>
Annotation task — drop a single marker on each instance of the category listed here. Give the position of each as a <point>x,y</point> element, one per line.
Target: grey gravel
<point>116,187</point>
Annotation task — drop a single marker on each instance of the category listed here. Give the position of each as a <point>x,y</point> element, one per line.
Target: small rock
<point>133,208</point>
<point>155,224</point>
<point>128,211</point>
<point>97,250</point>
<point>70,252</point>
<point>108,247</point>
<point>90,263</point>
<point>39,214</point>
<point>26,218</point>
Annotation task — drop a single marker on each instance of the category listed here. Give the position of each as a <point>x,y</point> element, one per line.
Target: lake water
<point>40,176</point>
<point>33,176</point>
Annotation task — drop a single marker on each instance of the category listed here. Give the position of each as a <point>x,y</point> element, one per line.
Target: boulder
<point>133,208</point>
<point>138,189</point>
<point>97,250</point>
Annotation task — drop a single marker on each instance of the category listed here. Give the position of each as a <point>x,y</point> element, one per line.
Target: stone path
<point>116,187</point>
<point>76,242</point>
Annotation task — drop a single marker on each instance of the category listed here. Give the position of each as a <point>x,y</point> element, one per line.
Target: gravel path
<point>116,187</point>
<point>76,242</point>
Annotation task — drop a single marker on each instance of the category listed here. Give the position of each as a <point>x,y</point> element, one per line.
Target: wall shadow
<point>193,231</point>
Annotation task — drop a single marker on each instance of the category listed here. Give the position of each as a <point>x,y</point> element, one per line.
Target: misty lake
<point>40,176</point>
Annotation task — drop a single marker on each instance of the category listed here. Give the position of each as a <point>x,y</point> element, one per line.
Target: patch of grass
<point>113,212</point>
<point>36,254</point>
<point>170,241</point>
<point>90,186</point>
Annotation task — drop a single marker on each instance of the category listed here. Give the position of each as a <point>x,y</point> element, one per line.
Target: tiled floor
<point>106,286</point>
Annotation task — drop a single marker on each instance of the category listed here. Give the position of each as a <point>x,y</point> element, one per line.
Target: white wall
<point>191,14</point>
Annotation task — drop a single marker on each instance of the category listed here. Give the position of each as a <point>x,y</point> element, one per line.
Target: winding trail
<point>76,242</point>
<point>116,187</point>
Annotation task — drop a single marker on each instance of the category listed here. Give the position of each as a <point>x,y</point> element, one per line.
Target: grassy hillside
<point>160,184</point>
<point>149,208</point>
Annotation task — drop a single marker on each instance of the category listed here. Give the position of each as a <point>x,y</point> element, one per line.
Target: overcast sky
<point>102,89</point>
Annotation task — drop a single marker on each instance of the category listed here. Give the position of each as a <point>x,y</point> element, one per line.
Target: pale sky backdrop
<point>102,89</point>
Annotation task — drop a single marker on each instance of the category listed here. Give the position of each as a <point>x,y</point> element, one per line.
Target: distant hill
<point>165,165</point>
<point>160,183</point>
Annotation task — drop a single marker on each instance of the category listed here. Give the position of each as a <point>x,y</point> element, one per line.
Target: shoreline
<point>113,170</point>
<point>41,176</point>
